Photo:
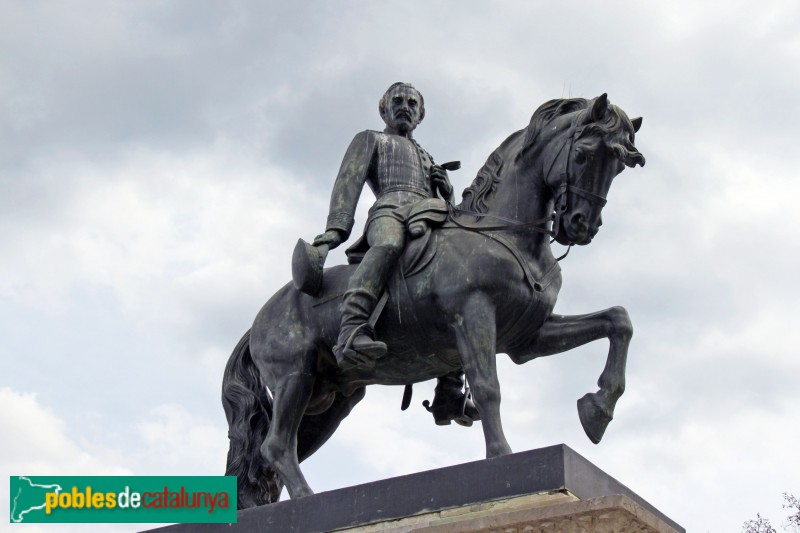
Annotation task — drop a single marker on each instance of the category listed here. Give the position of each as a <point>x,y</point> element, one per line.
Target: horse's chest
<point>522,311</point>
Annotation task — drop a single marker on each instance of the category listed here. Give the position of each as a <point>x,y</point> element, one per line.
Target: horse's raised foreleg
<point>475,333</point>
<point>279,449</point>
<point>561,333</point>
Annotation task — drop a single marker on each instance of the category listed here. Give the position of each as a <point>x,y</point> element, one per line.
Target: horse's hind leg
<point>290,398</point>
<point>306,433</point>
<point>561,333</point>
<point>315,430</point>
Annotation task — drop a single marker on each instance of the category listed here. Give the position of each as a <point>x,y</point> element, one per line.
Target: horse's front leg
<point>475,332</point>
<point>561,333</point>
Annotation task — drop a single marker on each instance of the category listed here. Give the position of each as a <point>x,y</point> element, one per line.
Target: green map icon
<point>28,497</point>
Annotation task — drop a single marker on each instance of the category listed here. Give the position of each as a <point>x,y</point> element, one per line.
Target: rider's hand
<point>332,237</point>
<point>440,181</point>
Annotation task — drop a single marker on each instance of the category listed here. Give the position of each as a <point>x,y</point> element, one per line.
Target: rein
<point>536,225</point>
<point>513,224</point>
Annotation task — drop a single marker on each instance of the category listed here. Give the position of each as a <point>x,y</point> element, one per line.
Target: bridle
<point>560,195</point>
<point>568,185</point>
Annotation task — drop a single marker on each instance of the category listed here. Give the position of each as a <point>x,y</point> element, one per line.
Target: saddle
<point>419,218</point>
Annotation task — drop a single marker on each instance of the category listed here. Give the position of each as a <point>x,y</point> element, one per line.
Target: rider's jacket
<point>397,170</point>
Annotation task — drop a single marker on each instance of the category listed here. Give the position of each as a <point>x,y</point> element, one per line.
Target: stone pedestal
<point>559,512</point>
<point>547,490</point>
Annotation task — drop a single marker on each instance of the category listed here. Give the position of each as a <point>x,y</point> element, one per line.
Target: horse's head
<point>592,146</point>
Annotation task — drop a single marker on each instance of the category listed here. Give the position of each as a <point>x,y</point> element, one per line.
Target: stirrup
<point>360,349</point>
<point>460,410</point>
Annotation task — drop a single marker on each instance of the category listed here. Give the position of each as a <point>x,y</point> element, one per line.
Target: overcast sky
<point>158,160</point>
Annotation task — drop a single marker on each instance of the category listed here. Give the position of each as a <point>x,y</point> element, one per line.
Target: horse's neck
<point>521,196</point>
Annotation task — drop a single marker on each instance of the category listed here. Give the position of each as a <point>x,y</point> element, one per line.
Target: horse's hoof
<point>463,420</point>
<point>594,418</point>
<point>301,493</point>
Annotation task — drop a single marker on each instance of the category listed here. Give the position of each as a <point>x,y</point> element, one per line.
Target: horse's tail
<point>248,408</point>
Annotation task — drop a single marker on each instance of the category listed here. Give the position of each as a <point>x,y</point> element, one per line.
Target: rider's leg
<point>357,344</point>
<point>449,402</point>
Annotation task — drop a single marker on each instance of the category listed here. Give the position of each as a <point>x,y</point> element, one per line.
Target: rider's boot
<point>357,345</point>
<point>452,403</point>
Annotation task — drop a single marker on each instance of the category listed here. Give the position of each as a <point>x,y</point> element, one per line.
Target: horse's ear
<point>637,123</point>
<point>599,108</point>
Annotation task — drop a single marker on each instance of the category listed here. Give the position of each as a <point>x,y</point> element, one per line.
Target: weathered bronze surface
<point>483,282</point>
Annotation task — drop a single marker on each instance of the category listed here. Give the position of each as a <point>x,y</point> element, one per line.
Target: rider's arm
<point>348,185</point>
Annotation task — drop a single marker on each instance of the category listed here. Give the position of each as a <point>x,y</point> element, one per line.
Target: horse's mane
<point>615,128</point>
<point>474,196</point>
<point>546,113</point>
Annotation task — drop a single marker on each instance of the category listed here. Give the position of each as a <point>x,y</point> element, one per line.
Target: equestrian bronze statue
<point>465,282</point>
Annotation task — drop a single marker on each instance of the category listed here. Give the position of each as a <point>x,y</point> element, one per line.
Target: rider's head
<point>402,107</point>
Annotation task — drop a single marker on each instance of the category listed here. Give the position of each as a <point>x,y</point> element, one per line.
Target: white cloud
<point>176,442</point>
<point>35,442</point>
<point>167,440</point>
<point>712,457</point>
<point>163,260</point>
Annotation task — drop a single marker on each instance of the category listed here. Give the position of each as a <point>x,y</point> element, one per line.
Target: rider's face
<point>402,113</point>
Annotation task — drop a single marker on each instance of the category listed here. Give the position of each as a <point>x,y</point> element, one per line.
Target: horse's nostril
<point>578,220</point>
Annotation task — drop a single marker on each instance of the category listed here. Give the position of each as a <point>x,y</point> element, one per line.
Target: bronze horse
<point>487,284</point>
